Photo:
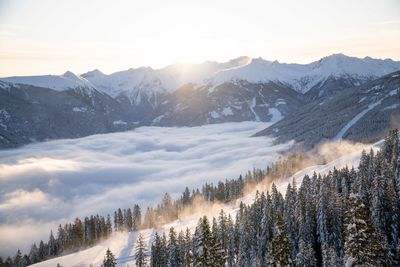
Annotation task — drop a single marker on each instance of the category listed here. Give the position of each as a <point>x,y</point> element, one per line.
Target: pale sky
<point>50,37</point>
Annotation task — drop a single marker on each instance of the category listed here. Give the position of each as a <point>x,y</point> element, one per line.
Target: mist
<point>45,184</point>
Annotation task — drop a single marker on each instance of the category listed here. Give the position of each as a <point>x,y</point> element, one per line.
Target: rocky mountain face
<point>37,108</point>
<point>367,110</point>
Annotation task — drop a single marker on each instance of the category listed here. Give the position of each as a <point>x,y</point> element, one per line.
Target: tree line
<point>344,218</point>
<point>317,224</point>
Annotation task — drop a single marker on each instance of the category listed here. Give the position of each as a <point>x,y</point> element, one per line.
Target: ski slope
<point>122,245</point>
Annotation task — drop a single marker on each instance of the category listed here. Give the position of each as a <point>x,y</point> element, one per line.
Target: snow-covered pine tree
<point>280,249</point>
<point>364,244</point>
<point>188,253</point>
<point>174,258</point>
<point>305,255</point>
<point>202,244</point>
<point>109,259</point>
<point>140,253</point>
<point>158,252</point>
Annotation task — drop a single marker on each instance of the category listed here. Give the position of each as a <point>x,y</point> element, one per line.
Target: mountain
<point>30,113</point>
<point>368,110</point>
<point>316,78</point>
<point>242,89</point>
<point>147,84</point>
<point>230,101</point>
<point>56,82</point>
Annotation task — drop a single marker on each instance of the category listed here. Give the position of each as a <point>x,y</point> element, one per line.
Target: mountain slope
<point>242,89</point>
<point>368,110</point>
<point>230,101</point>
<point>30,113</point>
<point>123,245</point>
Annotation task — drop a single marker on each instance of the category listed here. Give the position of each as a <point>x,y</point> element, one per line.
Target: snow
<point>252,105</point>
<point>362,113</point>
<point>214,114</point>
<point>119,122</point>
<point>280,102</point>
<point>56,82</point>
<point>394,106</point>
<point>276,114</point>
<point>304,77</point>
<point>158,119</point>
<point>362,99</point>
<point>77,109</point>
<point>394,92</point>
<point>123,244</point>
<point>227,111</point>
<point>355,119</point>
<point>147,82</point>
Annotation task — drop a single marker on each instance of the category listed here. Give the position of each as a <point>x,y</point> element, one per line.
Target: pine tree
<point>364,244</point>
<point>140,254</point>
<point>188,254</point>
<point>202,244</point>
<point>306,255</point>
<point>109,259</point>
<point>280,249</point>
<point>158,252</point>
<point>174,258</point>
<point>18,260</point>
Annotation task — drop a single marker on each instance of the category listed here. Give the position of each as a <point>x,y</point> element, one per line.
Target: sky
<point>46,184</point>
<point>47,36</point>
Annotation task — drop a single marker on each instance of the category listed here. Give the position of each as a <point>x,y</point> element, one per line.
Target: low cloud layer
<point>49,183</point>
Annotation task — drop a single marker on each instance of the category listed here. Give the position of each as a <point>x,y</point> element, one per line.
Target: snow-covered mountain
<point>145,82</point>
<point>303,78</point>
<point>365,112</point>
<point>56,82</point>
<point>242,89</point>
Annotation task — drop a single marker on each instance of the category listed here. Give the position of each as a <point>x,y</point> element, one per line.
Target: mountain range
<point>38,108</point>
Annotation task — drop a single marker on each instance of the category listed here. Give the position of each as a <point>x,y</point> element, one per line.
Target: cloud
<point>54,182</point>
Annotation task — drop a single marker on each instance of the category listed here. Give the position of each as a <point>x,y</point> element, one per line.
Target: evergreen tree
<point>140,254</point>
<point>364,244</point>
<point>188,254</point>
<point>306,255</point>
<point>158,252</point>
<point>109,259</point>
<point>280,249</point>
<point>202,244</point>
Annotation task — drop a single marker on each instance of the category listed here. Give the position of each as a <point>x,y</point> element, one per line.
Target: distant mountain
<point>241,89</point>
<point>147,84</point>
<point>230,101</point>
<point>369,110</point>
<point>30,114</point>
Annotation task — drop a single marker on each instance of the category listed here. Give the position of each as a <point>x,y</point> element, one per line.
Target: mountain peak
<point>93,73</point>
<point>70,75</point>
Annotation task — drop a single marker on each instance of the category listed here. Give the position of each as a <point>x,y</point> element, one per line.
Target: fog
<point>45,184</point>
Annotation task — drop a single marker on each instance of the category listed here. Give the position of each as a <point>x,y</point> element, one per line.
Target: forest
<point>347,217</point>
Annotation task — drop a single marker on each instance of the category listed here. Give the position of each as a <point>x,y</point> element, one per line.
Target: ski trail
<point>252,106</point>
<point>125,254</point>
<point>355,119</point>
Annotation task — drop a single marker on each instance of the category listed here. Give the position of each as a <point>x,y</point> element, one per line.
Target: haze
<point>45,36</point>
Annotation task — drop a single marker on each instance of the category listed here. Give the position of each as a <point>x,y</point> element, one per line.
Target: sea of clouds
<point>45,184</point>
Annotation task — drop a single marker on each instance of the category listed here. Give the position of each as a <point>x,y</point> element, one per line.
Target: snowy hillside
<point>123,244</point>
